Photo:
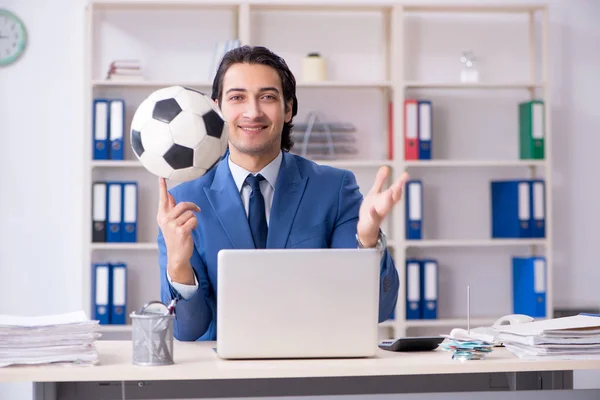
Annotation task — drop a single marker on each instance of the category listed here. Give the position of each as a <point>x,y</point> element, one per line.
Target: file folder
<point>529,286</point>
<point>118,314</point>
<point>538,208</point>
<point>425,129</point>
<point>510,208</point>
<point>531,130</point>
<point>100,129</point>
<point>414,209</point>
<point>101,289</point>
<point>429,285</point>
<point>115,196</point>
<point>116,129</point>
<point>411,127</point>
<point>129,224</point>
<point>413,289</point>
<point>98,212</point>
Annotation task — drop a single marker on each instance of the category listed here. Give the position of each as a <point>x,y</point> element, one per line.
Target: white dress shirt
<point>267,188</point>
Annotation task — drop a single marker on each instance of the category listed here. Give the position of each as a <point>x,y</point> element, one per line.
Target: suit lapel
<point>227,205</point>
<point>286,199</point>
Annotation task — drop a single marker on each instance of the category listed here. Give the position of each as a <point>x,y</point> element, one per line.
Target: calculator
<point>415,343</point>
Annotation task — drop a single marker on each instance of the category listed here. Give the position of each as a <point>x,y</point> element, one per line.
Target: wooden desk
<point>199,372</point>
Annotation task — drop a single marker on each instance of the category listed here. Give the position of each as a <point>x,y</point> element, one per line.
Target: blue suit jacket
<point>313,206</point>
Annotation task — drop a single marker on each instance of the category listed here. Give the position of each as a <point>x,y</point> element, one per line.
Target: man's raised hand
<point>376,206</point>
<point>177,221</point>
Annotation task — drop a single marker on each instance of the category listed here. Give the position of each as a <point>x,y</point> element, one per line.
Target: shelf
<point>332,163</point>
<point>320,6</point>
<point>154,246</point>
<point>162,4</point>
<point>449,322</point>
<point>124,246</point>
<point>150,84</point>
<point>479,85</point>
<point>355,163</point>
<point>367,163</point>
<point>441,8</point>
<point>295,5</point>
<point>199,84</point>
<point>475,243</point>
<point>475,163</point>
<point>252,21</point>
<point>345,84</point>
<point>116,164</point>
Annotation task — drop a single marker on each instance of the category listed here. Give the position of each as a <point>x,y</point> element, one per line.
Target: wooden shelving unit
<point>120,29</point>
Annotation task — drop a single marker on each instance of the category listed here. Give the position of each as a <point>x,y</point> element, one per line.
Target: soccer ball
<point>178,133</point>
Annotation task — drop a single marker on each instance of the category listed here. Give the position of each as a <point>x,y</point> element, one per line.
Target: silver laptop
<point>297,303</point>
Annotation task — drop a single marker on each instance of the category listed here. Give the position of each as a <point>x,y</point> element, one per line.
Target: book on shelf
<point>109,292</point>
<point>125,70</point>
<point>108,128</point>
<point>421,288</point>
<point>518,208</point>
<point>114,212</point>
<point>529,286</point>
<point>418,129</point>
<point>414,209</point>
<point>531,130</point>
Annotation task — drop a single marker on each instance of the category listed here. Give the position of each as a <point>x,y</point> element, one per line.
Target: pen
<point>171,306</point>
<point>468,310</point>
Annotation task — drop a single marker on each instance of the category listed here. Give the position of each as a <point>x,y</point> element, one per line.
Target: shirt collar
<point>270,172</point>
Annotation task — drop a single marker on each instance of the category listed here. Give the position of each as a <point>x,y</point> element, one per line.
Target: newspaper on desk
<point>567,338</point>
<point>63,338</point>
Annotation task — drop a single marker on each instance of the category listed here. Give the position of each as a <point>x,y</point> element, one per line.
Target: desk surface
<point>198,361</point>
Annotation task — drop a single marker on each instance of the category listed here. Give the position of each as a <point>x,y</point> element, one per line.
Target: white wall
<point>576,82</point>
<point>40,126</point>
<point>41,122</point>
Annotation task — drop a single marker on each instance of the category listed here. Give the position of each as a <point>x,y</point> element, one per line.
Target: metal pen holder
<point>152,339</point>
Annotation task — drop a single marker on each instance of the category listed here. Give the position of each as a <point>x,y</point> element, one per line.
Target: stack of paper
<point>567,338</point>
<point>62,338</point>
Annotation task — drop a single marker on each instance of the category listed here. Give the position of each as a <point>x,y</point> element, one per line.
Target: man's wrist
<point>380,242</point>
<point>367,243</point>
<point>183,273</point>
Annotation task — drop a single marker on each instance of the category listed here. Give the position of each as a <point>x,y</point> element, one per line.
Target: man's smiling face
<point>254,107</point>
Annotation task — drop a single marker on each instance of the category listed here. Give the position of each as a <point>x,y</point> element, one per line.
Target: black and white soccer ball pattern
<point>178,133</point>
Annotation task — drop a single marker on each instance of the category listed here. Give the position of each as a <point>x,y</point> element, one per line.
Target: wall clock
<point>13,37</point>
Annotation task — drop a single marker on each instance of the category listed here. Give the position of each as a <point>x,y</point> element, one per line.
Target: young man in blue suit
<point>261,196</point>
